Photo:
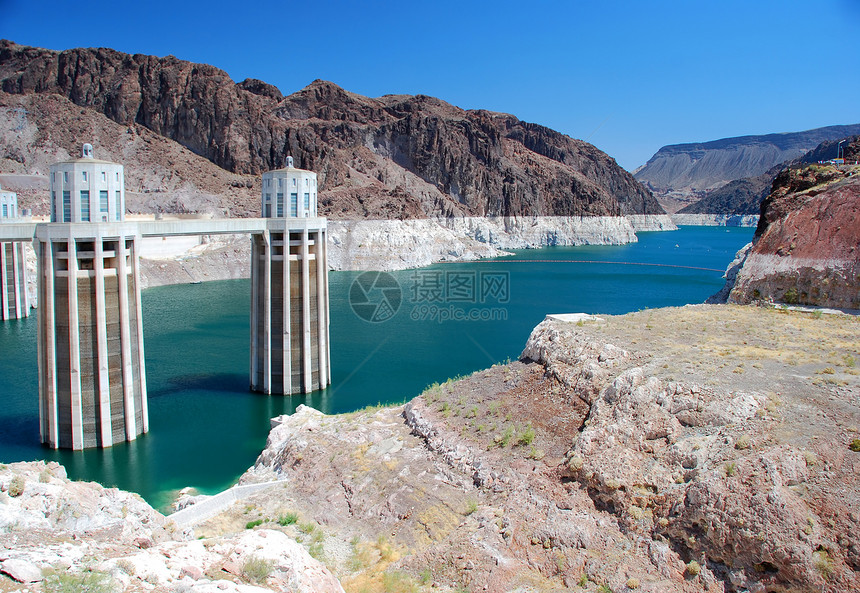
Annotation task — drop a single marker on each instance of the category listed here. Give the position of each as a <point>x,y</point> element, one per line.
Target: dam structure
<point>14,301</point>
<point>92,377</point>
<point>289,288</point>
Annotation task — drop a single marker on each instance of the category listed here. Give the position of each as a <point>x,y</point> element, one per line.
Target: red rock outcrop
<point>807,246</point>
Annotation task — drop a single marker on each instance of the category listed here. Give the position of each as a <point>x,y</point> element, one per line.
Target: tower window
<point>119,208</point>
<point>67,205</point>
<point>65,176</point>
<point>280,204</point>
<point>294,204</point>
<point>84,175</point>
<point>103,200</point>
<point>85,206</point>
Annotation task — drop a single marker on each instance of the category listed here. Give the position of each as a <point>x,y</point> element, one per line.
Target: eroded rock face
<point>51,526</point>
<point>37,496</point>
<point>662,457</point>
<point>269,559</point>
<point>807,245</point>
<point>410,156</point>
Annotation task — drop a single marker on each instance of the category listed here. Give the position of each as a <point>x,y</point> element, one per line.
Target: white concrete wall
<point>8,205</point>
<point>286,182</point>
<point>168,247</point>
<point>87,175</point>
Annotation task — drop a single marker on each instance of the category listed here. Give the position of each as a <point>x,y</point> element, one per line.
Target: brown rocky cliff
<point>807,245</point>
<point>434,157</point>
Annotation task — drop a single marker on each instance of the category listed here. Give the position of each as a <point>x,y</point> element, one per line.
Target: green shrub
<point>317,551</point>
<point>693,568</point>
<point>252,524</point>
<point>527,435</point>
<point>16,486</point>
<point>257,569</point>
<point>398,582</point>
<point>79,582</point>
<point>790,296</point>
<point>855,445</point>
<point>743,442</point>
<point>288,519</point>
<point>307,528</point>
<point>471,506</point>
<point>506,436</point>
<point>823,563</point>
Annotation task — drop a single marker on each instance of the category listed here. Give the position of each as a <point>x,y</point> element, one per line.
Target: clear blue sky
<point>628,76</point>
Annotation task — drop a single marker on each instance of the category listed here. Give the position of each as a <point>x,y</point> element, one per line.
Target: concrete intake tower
<point>289,288</point>
<point>92,380</point>
<point>14,302</point>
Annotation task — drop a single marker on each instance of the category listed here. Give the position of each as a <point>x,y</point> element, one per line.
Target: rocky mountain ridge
<point>744,196</point>
<point>395,156</point>
<point>681,174</point>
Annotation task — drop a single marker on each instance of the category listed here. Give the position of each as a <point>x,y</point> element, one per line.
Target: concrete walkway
<point>209,507</point>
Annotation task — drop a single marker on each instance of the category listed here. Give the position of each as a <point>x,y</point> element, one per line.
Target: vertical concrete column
<point>102,381</point>
<point>19,273</point>
<point>47,345</point>
<point>14,303</point>
<point>326,304</point>
<point>286,343</point>
<point>135,258</point>
<point>255,310</point>
<point>267,313</point>
<point>307,364</point>
<point>322,310</point>
<point>4,280</point>
<point>122,271</point>
<point>74,347</point>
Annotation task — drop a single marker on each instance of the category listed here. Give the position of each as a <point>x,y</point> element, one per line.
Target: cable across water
<point>587,261</point>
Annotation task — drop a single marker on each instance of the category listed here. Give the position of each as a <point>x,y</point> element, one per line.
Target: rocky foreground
<point>706,448</point>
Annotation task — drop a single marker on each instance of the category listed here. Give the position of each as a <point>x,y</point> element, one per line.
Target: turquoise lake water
<point>206,428</point>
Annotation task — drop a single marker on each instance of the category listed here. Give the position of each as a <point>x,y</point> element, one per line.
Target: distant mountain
<point>705,166</point>
<point>744,196</point>
<point>396,156</point>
